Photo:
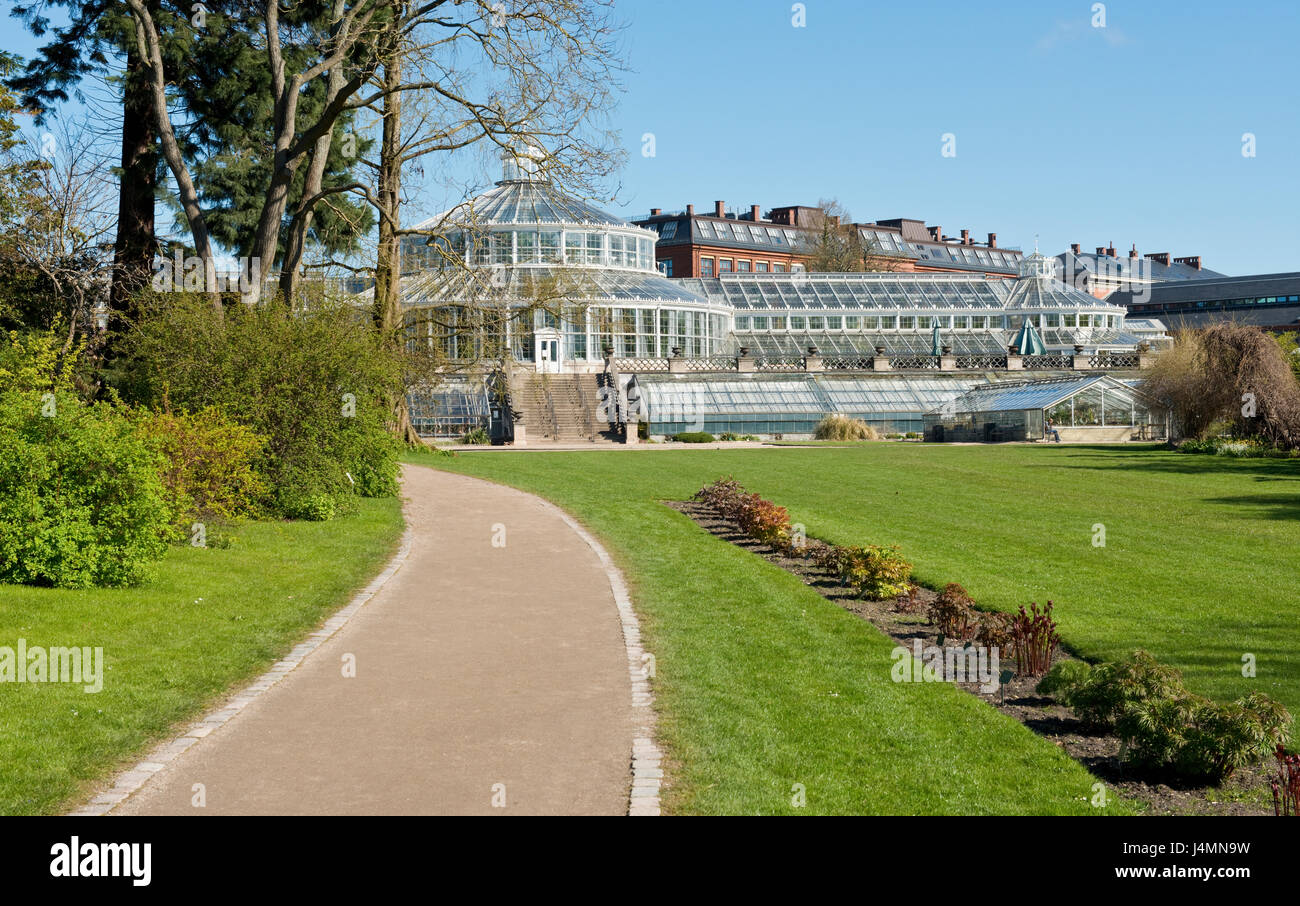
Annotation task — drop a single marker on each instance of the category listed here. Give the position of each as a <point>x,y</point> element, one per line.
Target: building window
<point>706,267</point>
<point>761,267</point>
<point>778,268</point>
<point>742,266</point>
<point>724,265</point>
<point>666,266</point>
<point>797,322</point>
<point>796,268</point>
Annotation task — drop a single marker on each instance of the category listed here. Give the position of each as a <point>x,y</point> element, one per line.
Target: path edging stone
<point>647,759</point>
<point>130,781</point>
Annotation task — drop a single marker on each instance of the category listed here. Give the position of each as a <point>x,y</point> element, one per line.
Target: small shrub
<point>1200,739</point>
<point>475,437</point>
<point>1286,785</point>
<point>723,495</point>
<point>1109,688</point>
<point>81,501</point>
<point>841,427</point>
<point>1036,639</point>
<point>693,437</point>
<point>209,464</point>
<point>910,602</point>
<point>763,520</point>
<point>996,631</point>
<point>874,572</point>
<point>953,613</point>
<point>1064,678</point>
<point>310,507</point>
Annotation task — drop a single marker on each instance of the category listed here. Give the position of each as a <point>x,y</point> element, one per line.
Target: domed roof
<point>523,196</point>
<point>1038,288</point>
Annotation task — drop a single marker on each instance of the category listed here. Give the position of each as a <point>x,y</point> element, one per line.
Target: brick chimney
<point>936,233</point>
<point>1159,258</point>
<point>1074,248</point>
<point>654,212</point>
<point>993,240</point>
<point>719,209</point>
<point>1133,252</point>
<point>965,237</point>
<point>1101,251</point>
<point>1190,261</point>
<point>755,214</point>
<point>690,210</point>
<point>1110,249</point>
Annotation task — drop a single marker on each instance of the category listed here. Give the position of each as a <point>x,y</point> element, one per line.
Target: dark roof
<point>1147,268</point>
<point>1214,289</point>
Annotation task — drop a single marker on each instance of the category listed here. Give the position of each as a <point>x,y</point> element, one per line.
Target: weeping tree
<point>1232,375</point>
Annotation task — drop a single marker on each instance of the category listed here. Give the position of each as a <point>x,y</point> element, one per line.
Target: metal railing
<point>712,363</point>
<point>848,363</point>
<point>1051,361</point>
<point>914,362</point>
<point>643,366</point>
<point>981,363</point>
<point>779,363</point>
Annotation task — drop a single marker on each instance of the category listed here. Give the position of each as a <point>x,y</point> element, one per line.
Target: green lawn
<point>213,618</point>
<point>763,684</point>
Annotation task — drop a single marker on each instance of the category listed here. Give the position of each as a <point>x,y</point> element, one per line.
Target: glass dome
<point>543,260</point>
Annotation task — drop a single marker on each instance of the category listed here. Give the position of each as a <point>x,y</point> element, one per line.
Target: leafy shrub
<point>1109,688</point>
<point>208,464</point>
<point>1062,679</point>
<point>874,572</point>
<point>1036,639</point>
<point>953,613</point>
<point>1198,738</point>
<point>318,385</point>
<point>476,436</point>
<point>996,631</point>
<point>723,495</point>
<point>1286,785</point>
<point>841,427</point>
<point>311,507</point>
<point>693,437</point>
<point>35,361</point>
<point>81,501</point>
<point>910,602</point>
<point>763,520</point>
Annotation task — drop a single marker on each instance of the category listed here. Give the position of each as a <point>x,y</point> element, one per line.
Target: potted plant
<point>744,351</point>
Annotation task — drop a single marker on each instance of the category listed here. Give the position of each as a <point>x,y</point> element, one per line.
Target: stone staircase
<point>560,408</point>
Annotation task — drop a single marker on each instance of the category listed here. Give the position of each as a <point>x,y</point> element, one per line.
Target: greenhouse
<point>792,405</point>
<point>1095,408</point>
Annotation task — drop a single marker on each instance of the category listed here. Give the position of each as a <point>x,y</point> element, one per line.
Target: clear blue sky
<point>1130,133</point>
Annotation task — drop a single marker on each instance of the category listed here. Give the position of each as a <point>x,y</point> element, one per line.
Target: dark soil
<point>1245,793</point>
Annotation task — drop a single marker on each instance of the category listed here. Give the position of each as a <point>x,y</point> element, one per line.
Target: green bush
<point>693,437</point>
<point>475,436</point>
<point>1064,678</point>
<point>874,572</point>
<point>1109,688</point>
<point>81,500</point>
<point>35,361</point>
<point>317,385</point>
<point>209,464</point>
<point>1200,739</point>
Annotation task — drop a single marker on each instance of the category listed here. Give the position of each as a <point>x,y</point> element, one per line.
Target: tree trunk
<point>135,245</point>
<point>387,304</point>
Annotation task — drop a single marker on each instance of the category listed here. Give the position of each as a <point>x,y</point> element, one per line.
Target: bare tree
<point>832,243</point>
<point>64,229</point>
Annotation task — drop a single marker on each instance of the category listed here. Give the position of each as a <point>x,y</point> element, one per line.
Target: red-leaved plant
<point>1286,785</point>
<point>1035,637</point>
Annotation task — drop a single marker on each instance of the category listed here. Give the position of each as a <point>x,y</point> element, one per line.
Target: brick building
<point>719,242</point>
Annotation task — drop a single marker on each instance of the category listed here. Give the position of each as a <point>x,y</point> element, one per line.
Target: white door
<point>548,351</point>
